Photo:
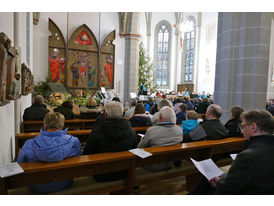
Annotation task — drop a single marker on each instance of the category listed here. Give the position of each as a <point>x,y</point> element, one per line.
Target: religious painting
<point>5,44</point>
<point>82,69</point>
<point>57,57</point>
<point>107,57</point>
<point>57,65</point>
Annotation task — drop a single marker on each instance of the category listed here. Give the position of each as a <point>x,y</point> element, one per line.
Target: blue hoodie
<point>50,147</point>
<point>189,125</point>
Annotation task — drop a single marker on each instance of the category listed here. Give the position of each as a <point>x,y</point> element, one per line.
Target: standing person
<point>165,133</point>
<point>114,134</point>
<point>52,145</point>
<point>252,170</point>
<point>37,110</point>
<point>233,125</point>
<point>143,89</point>
<point>140,118</point>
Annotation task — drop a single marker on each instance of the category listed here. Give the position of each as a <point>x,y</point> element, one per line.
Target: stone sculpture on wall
<point>5,44</point>
<point>13,79</point>
<point>27,80</point>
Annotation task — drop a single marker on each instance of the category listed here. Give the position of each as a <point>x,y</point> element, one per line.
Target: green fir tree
<point>146,68</point>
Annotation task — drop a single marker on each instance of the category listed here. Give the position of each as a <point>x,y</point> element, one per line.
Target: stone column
<point>242,60</point>
<point>131,55</point>
<point>177,71</point>
<point>148,26</point>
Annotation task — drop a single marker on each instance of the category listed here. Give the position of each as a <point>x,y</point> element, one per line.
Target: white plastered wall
<point>7,114</point>
<point>270,90</point>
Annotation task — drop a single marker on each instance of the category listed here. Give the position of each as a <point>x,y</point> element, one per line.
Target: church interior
<point>227,55</point>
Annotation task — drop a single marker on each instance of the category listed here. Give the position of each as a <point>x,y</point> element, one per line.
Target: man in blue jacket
<point>52,145</point>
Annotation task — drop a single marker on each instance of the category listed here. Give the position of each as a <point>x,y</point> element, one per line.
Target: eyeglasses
<point>242,126</point>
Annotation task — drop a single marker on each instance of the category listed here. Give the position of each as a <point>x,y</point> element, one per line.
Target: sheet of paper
<point>10,169</point>
<point>208,168</point>
<point>233,156</point>
<point>140,153</point>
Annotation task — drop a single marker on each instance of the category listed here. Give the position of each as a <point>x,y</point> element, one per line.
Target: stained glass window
<point>189,54</point>
<point>162,56</point>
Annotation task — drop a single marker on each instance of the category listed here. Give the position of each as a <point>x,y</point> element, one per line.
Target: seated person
<point>270,108</point>
<point>140,117</point>
<point>177,103</point>
<point>66,109</point>
<point>251,173</point>
<point>202,106</point>
<point>211,129</point>
<point>162,103</point>
<point>188,103</point>
<point>37,110</point>
<point>91,110</point>
<point>52,145</point>
<point>233,125</point>
<point>114,134</point>
<point>129,113</point>
<point>163,134</point>
<point>191,122</point>
<point>182,114</point>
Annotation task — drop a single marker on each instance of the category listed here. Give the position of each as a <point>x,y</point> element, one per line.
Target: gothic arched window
<point>163,32</point>
<point>189,51</point>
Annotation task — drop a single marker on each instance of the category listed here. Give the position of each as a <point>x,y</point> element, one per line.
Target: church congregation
<point>155,85</point>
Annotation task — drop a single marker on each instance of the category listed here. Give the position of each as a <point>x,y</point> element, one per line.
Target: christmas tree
<point>146,68</point>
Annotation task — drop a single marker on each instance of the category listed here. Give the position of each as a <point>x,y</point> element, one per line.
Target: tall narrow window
<point>189,52</point>
<point>162,56</point>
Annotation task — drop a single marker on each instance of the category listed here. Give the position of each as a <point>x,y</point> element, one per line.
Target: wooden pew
<point>87,165</point>
<point>34,126</point>
<point>82,135</point>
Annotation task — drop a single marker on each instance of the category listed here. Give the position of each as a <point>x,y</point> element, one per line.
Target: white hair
<point>114,110</point>
<point>167,113</point>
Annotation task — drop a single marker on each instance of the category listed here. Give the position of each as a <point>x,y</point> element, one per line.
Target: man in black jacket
<point>252,170</point>
<point>114,134</point>
<point>37,111</point>
<point>210,129</point>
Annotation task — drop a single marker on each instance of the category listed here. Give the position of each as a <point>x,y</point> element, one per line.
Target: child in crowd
<point>182,113</point>
<point>191,122</point>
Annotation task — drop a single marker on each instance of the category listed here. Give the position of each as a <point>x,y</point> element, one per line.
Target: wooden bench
<point>82,135</point>
<point>35,126</point>
<point>87,165</point>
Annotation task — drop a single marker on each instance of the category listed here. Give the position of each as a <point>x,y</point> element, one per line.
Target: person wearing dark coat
<point>66,110</point>
<point>182,114</point>
<point>202,106</point>
<point>188,103</point>
<point>91,110</point>
<point>37,111</point>
<point>233,125</point>
<point>251,173</point>
<point>140,118</point>
<point>211,129</point>
<point>114,134</point>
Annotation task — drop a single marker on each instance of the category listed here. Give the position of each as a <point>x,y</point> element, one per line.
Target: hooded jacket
<point>50,147</point>
<point>89,112</point>
<point>189,125</point>
<point>112,135</point>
